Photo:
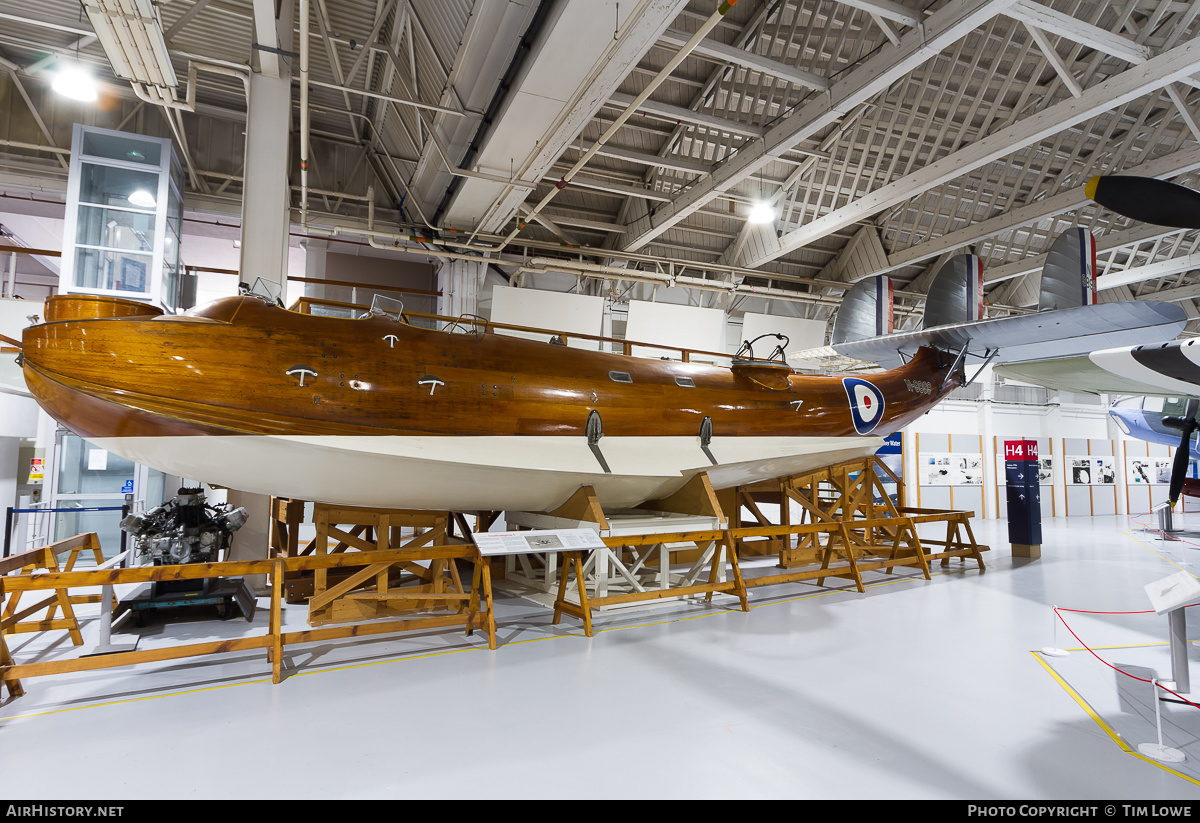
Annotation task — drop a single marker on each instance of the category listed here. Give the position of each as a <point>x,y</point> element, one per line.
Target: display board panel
<point>581,313</point>
<point>951,469</point>
<point>675,327</point>
<point>1091,470</point>
<point>1147,471</point>
<point>802,334</point>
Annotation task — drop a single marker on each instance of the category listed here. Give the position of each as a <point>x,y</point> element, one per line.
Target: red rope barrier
<point>1105,662</point>
<point>1150,528</point>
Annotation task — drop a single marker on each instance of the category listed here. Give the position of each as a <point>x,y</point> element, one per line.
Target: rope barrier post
<point>1177,630</point>
<point>1157,751</point>
<point>1055,651</point>
<point>8,529</point>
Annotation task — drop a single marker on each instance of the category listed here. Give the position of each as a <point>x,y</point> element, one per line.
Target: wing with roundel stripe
<point>1171,369</point>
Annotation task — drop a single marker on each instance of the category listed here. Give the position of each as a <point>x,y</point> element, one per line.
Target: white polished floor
<point>916,689</point>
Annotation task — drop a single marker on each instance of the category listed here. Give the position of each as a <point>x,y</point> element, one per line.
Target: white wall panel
<point>579,313</point>
<point>675,327</point>
<point>801,333</point>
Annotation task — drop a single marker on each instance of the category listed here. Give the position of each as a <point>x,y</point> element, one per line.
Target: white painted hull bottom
<point>523,473</point>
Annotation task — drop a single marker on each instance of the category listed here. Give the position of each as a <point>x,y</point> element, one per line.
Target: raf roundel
<point>866,404</point>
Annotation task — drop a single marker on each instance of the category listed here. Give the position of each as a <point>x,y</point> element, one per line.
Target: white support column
<point>266,200</point>
<point>987,431</point>
<point>460,282</point>
<point>315,250</point>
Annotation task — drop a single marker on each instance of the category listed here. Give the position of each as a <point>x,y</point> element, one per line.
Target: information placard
<point>493,544</point>
<point>951,469</point>
<point>1085,470</point>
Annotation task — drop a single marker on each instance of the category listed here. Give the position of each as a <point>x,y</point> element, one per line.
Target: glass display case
<point>123,219</point>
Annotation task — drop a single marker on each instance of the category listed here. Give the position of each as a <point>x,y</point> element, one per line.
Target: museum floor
<point>916,689</point>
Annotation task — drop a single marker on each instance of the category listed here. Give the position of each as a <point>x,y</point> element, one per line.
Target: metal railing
<point>475,324</point>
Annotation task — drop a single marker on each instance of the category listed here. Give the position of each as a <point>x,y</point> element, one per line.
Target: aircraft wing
<point>1076,374</point>
<point>1059,333</point>
<point>1170,369</point>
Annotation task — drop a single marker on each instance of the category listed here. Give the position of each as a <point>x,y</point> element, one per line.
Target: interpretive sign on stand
<point>1024,497</point>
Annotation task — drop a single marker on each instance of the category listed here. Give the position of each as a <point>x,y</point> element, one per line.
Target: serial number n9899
<point>919,386</point>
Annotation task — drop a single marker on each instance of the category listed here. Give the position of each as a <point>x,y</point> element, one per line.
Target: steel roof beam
<point>746,59</point>
<point>895,12</point>
<point>1151,271</point>
<point>871,77</point>
<point>670,161</point>
<point>1116,91</point>
<point>1047,19</point>
<point>675,114</point>
<point>1169,165</point>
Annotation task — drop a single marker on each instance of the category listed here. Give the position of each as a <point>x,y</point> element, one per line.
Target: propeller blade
<point>1183,456</point>
<point>1147,200</point>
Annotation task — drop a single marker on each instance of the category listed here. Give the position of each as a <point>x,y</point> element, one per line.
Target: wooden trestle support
<point>366,564</point>
<point>45,559</point>
<point>421,574</point>
<point>846,513</point>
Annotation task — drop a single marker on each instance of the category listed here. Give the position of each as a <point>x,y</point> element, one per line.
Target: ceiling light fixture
<point>142,198</point>
<point>762,212</point>
<point>131,35</point>
<point>75,82</point>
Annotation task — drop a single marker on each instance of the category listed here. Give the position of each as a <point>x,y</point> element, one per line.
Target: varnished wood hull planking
<point>374,397</point>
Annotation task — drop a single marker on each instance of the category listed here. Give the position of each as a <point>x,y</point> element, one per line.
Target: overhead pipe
<point>701,284</point>
<point>305,13</point>
<point>391,241</point>
<point>401,101</point>
<point>664,73</point>
<point>168,99</point>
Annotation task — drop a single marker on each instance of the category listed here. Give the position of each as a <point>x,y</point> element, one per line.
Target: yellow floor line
<point>1153,551</point>
<point>1087,708</point>
<point>1120,741</point>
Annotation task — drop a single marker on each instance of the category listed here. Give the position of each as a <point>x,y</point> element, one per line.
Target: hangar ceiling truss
<point>923,128</point>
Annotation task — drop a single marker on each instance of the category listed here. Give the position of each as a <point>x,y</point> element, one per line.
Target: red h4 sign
<point>1020,450</point>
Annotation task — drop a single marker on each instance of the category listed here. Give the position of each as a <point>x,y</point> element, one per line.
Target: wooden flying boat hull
<point>378,412</point>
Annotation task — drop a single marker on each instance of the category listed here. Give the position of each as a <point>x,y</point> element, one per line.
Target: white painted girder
<point>870,78</point>
<point>670,161</point>
<point>266,33</point>
<point>1167,166</point>
<point>886,9</point>
<point>1151,271</point>
<point>748,59</point>
<point>1064,25</point>
<point>666,111</point>
<point>1116,91</point>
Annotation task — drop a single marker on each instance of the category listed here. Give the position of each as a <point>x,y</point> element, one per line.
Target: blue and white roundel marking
<point>866,404</point>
